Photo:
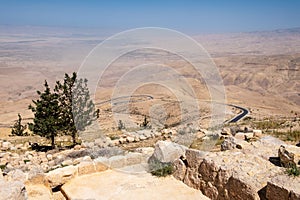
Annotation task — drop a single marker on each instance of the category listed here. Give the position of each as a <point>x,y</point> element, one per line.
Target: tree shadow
<point>40,148</point>
<point>275,161</point>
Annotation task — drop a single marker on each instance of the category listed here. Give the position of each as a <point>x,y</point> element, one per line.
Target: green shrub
<point>293,171</point>
<point>2,167</point>
<point>19,129</point>
<point>161,169</point>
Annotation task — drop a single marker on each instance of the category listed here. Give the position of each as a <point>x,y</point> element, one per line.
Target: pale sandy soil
<point>260,71</point>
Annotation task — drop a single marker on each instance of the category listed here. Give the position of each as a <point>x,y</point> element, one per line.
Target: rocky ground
<point>248,165</point>
<point>254,170</point>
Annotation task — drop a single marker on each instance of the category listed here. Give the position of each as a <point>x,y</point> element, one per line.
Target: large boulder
<point>12,190</point>
<point>239,174</point>
<point>86,167</point>
<point>167,152</point>
<point>61,176</point>
<point>229,144</point>
<point>283,187</point>
<point>16,175</point>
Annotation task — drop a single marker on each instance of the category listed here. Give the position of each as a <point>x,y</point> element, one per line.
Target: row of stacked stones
<point>238,173</point>
<point>38,183</point>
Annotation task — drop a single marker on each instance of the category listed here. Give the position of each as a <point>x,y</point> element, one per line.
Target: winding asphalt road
<point>117,101</point>
<point>240,115</point>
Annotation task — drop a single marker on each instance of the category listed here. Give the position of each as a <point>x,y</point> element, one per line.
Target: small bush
<point>161,169</point>
<point>293,171</point>
<point>2,167</point>
<point>145,123</point>
<point>114,137</point>
<point>19,129</point>
<point>121,125</point>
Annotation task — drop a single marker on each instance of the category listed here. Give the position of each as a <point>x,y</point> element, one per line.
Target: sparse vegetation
<point>161,169</point>
<point>285,128</point>
<point>293,171</point>
<point>2,167</point>
<point>19,129</point>
<point>145,123</point>
<point>268,124</point>
<point>121,125</point>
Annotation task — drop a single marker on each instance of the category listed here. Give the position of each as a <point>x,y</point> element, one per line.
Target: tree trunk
<point>52,141</point>
<point>74,137</point>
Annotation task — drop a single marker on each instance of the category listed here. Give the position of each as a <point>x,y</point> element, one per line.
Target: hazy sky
<point>188,15</point>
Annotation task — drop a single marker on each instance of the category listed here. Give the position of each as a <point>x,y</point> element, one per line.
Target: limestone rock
<point>133,158</point>
<point>99,142</point>
<point>14,190</point>
<point>239,189</point>
<point>130,139</point>
<point>6,146</point>
<point>36,175</point>
<point>86,167</point>
<point>122,140</point>
<point>180,169</point>
<point>101,164</point>
<point>16,175</point>
<point>228,144</point>
<point>241,174</point>
<point>283,187</point>
<point>67,162</point>
<point>117,161</point>
<point>58,196</point>
<point>194,157</point>
<point>60,176</point>
<point>166,151</point>
<point>208,170</point>
<point>103,161</point>
<point>77,147</point>
<point>286,158</point>
<point>49,157</point>
<point>38,191</point>
<point>142,137</point>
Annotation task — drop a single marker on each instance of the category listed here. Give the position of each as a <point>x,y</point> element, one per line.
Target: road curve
<point>240,116</point>
<point>117,101</point>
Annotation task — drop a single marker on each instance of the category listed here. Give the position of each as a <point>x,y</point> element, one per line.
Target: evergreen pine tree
<point>78,110</point>
<point>47,113</point>
<point>83,108</point>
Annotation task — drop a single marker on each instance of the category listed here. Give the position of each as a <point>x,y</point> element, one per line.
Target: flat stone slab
<point>118,185</point>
